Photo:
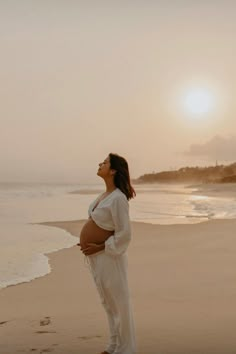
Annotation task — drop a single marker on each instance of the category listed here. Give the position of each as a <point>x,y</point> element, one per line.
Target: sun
<point>198,102</point>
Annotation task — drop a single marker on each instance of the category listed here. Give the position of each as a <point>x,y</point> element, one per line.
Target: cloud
<point>218,148</point>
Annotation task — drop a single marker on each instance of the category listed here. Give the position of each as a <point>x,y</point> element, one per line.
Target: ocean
<point>24,245</point>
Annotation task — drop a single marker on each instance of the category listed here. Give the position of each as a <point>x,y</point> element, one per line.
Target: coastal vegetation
<point>209,174</point>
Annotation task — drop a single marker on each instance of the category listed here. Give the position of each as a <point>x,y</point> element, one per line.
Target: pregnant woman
<point>104,240</point>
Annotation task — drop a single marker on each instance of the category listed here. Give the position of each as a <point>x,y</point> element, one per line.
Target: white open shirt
<point>112,213</point>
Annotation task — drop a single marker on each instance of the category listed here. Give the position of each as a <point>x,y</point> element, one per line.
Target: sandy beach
<point>182,283</point>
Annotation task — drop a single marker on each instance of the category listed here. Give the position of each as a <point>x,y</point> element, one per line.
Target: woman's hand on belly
<point>94,235</point>
<point>92,248</point>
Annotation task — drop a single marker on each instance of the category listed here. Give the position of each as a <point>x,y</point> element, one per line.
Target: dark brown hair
<point>122,177</point>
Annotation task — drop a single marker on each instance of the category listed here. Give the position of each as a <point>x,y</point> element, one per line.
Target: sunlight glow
<point>198,102</point>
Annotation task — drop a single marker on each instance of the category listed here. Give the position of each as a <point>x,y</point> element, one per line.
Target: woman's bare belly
<point>91,232</point>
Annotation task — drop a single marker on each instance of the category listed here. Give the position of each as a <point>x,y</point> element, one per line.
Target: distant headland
<point>210,174</point>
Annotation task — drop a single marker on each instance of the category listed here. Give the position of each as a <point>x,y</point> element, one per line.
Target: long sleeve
<point>118,243</point>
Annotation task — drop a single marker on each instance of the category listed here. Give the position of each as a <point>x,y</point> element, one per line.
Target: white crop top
<point>112,213</point>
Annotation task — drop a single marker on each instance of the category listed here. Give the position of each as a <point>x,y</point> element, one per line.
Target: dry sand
<point>183,289</point>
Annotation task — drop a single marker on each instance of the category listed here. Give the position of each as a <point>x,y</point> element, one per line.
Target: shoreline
<point>182,290</point>
<point>223,190</point>
<point>227,190</point>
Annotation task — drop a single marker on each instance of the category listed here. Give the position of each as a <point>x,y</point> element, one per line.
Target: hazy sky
<point>80,79</point>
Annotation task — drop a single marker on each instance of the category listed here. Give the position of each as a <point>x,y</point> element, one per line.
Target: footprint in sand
<point>46,321</point>
<point>89,337</point>
<point>45,332</point>
<point>45,350</point>
<point>3,322</point>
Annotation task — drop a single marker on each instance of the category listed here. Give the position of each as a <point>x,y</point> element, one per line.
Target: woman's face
<point>104,168</point>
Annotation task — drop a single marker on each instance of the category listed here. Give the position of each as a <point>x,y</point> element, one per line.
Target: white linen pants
<point>110,276</point>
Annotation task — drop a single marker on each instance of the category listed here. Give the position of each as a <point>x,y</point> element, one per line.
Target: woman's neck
<point>110,186</point>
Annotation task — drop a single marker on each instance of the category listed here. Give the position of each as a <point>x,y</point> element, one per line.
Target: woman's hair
<point>122,178</point>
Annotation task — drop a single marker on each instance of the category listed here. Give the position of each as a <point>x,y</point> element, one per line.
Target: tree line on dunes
<point>210,174</point>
